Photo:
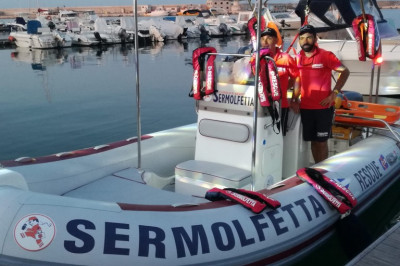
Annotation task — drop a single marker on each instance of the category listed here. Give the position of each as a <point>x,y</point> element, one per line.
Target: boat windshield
<point>238,72</point>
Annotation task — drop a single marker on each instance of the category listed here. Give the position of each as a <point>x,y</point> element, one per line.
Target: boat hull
<point>105,228</point>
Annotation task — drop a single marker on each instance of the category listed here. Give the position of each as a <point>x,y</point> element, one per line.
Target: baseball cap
<point>307,29</point>
<point>270,32</point>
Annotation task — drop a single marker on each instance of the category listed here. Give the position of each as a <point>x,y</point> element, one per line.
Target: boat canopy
<point>348,11</point>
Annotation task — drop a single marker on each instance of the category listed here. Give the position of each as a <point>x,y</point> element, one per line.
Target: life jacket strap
<point>334,193</point>
<point>254,201</point>
<point>253,31</point>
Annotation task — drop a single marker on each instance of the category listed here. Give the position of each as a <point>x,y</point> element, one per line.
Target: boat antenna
<point>139,124</point>
<point>253,155</point>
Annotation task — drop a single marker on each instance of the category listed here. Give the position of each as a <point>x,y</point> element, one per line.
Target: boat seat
<point>195,177</point>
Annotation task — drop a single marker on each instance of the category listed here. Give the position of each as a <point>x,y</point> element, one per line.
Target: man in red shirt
<point>287,69</point>
<point>317,96</point>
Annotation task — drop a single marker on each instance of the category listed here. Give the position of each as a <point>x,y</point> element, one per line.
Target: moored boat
<point>104,205</point>
<point>38,37</point>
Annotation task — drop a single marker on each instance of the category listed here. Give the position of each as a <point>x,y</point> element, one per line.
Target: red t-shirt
<point>315,73</point>
<point>286,68</point>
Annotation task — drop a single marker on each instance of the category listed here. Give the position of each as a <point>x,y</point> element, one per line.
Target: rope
<point>307,12</point>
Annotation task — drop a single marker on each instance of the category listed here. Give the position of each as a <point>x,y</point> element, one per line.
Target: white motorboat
<point>38,37</point>
<point>146,31</point>
<point>168,29</point>
<point>110,34</point>
<point>79,36</point>
<point>214,25</point>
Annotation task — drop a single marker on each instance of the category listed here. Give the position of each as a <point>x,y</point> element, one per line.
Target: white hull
<point>120,214</point>
<point>35,41</point>
<point>104,227</point>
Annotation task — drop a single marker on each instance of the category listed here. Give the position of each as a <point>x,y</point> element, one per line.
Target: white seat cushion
<point>213,173</point>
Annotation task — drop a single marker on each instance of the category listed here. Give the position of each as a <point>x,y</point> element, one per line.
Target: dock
<point>383,251</point>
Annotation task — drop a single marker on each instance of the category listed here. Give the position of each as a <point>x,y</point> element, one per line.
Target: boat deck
<point>131,189</point>
<point>384,251</point>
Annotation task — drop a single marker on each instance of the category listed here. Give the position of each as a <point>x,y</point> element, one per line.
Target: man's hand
<point>295,105</point>
<point>328,101</point>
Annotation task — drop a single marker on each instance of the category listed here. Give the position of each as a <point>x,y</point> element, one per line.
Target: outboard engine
<point>224,29</point>
<point>20,20</point>
<point>98,37</point>
<point>123,35</point>
<point>51,25</point>
<point>204,36</point>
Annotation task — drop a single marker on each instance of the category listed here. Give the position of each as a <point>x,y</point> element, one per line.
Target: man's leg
<point>319,150</point>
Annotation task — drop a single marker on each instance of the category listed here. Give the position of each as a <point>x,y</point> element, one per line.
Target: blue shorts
<point>317,124</point>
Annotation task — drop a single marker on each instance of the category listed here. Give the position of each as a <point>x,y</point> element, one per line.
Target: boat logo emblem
<point>34,232</point>
<point>383,162</point>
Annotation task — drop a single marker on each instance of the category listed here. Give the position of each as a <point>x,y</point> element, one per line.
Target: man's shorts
<point>317,124</point>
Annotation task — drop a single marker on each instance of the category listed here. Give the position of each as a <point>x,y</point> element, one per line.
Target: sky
<point>74,3</point>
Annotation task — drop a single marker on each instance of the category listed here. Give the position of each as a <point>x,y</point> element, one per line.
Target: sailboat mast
<point>255,113</point>
<point>139,124</point>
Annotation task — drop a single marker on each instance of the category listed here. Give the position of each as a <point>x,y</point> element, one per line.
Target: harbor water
<point>62,100</point>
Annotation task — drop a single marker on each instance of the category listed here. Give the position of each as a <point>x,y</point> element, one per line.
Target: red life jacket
<point>254,201</point>
<point>367,37</point>
<point>334,193</point>
<point>199,55</point>
<point>253,31</point>
<point>269,89</point>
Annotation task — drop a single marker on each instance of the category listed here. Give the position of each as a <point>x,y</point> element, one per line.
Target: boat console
<point>226,136</point>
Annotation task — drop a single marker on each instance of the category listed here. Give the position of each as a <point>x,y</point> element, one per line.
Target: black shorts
<point>317,124</point>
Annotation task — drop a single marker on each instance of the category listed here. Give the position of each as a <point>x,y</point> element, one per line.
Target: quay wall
<point>115,11</point>
<point>105,11</point>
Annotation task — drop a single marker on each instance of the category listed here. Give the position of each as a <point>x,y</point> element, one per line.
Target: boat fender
<point>198,58</point>
<point>367,37</point>
<point>335,194</point>
<point>254,201</point>
<point>251,24</point>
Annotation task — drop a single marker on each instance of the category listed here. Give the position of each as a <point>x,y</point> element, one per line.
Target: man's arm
<point>344,73</point>
<point>294,102</point>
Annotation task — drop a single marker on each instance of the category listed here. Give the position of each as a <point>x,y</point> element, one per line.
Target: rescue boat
<point>227,190</point>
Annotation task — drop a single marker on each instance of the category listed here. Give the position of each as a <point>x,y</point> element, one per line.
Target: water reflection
<point>84,96</point>
<point>40,59</point>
